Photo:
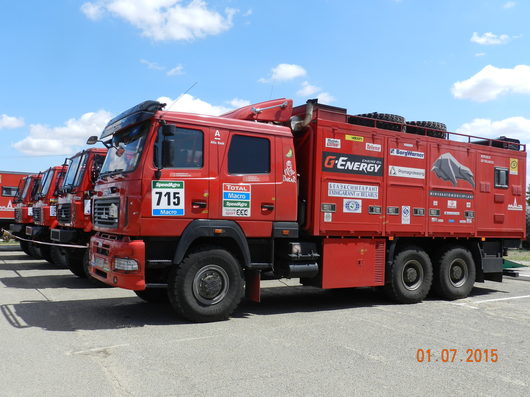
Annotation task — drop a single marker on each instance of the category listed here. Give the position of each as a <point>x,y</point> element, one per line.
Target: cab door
<point>246,189</point>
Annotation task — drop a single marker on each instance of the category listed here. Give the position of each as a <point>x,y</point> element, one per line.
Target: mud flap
<point>252,285</point>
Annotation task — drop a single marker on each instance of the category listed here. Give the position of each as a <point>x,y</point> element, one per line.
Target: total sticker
<point>167,198</point>
<point>236,199</point>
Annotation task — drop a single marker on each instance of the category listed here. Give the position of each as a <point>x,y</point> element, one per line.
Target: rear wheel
<point>454,273</point>
<point>410,276</point>
<point>58,255</point>
<point>154,295</point>
<point>34,250</point>
<point>45,251</point>
<point>24,246</point>
<point>207,286</point>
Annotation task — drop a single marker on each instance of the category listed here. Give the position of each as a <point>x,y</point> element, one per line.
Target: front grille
<point>106,212</point>
<point>64,213</point>
<point>37,214</point>
<point>18,215</point>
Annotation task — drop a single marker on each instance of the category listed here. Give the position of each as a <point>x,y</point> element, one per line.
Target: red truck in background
<point>194,208</point>
<point>45,213</point>
<point>73,229</point>
<point>9,182</point>
<point>24,199</point>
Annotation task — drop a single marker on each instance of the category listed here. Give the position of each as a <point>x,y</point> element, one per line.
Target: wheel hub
<point>458,272</point>
<point>412,275</point>
<point>210,285</point>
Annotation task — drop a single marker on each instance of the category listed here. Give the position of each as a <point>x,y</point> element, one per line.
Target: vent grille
<point>379,271</point>
<point>37,214</point>
<point>18,215</point>
<point>64,213</point>
<point>106,212</point>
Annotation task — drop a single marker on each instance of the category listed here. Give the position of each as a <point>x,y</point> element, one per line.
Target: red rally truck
<point>9,182</point>
<point>24,199</point>
<point>194,208</point>
<point>74,226</point>
<point>45,213</point>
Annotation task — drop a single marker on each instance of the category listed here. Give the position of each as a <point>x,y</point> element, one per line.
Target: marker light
<point>125,264</point>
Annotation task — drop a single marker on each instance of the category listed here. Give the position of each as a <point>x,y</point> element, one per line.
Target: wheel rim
<point>210,285</point>
<point>458,272</point>
<point>412,275</point>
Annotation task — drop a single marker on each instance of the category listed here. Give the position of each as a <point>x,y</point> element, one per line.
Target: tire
<point>207,286</point>
<point>153,295</point>
<point>429,128</point>
<point>410,276</point>
<point>45,251</point>
<point>24,246</point>
<point>58,255</point>
<point>34,250</point>
<point>76,261</point>
<point>385,121</point>
<point>454,273</point>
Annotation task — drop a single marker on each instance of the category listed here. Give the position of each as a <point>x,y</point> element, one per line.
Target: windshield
<point>23,187</point>
<point>70,174</point>
<point>126,150</point>
<point>45,184</point>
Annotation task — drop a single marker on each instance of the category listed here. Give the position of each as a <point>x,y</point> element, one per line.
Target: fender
<point>205,228</point>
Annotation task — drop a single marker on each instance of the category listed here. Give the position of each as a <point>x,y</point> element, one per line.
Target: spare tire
<point>429,128</point>
<point>385,121</point>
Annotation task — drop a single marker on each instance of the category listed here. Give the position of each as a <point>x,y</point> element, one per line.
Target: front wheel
<point>454,274</point>
<point>24,246</point>
<point>410,276</point>
<point>207,286</point>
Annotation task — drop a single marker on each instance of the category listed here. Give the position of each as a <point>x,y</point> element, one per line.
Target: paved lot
<point>61,336</point>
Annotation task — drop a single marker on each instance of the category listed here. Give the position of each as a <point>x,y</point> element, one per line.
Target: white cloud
<point>152,65</point>
<point>489,38</point>
<point>63,140</point>
<point>179,69</point>
<point>307,89</point>
<point>164,19</point>
<point>238,103</point>
<point>284,72</point>
<point>509,4</point>
<point>187,103</point>
<point>480,54</point>
<point>491,82</point>
<point>512,127</point>
<point>10,121</point>
<point>325,97</point>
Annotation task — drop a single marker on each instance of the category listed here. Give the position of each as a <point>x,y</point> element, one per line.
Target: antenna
<point>181,95</point>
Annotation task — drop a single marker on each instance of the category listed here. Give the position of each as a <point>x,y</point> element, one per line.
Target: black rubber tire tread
<point>441,284</point>
<point>58,256</point>
<point>429,128</point>
<point>395,122</point>
<point>395,290</point>
<point>24,246</point>
<point>75,261</point>
<point>153,295</point>
<point>46,253</point>
<point>180,285</point>
<point>34,250</point>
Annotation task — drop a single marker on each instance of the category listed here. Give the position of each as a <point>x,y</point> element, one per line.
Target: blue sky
<point>68,66</point>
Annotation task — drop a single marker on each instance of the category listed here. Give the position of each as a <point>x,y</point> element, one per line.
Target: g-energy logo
<point>352,164</point>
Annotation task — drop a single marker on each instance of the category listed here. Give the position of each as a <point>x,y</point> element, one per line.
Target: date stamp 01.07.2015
<point>457,355</point>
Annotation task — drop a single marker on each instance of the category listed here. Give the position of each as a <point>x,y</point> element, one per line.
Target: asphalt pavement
<point>62,336</point>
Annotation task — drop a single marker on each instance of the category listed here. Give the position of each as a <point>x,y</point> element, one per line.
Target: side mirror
<point>169,147</point>
<point>92,140</point>
<point>169,130</point>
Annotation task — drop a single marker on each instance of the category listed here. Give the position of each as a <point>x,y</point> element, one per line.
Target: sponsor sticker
<point>30,211</point>
<point>405,214</point>
<point>53,210</point>
<point>328,217</point>
<point>352,206</point>
<point>353,191</point>
<point>333,143</point>
<point>406,172</point>
<point>451,203</point>
<point>453,213</point>
<point>515,206</point>
<point>352,164</point>
<point>373,147</point>
<point>514,166</point>
<point>406,153</point>
<point>236,199</point>
<point>167,198</point>
<point>289,174</point>
<point>456,195</point>
<point>354,138</point>
<point>87,207</point>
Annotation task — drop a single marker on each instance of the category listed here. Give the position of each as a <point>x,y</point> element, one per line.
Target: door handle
<point>198,204</point>
<point>267,207</point>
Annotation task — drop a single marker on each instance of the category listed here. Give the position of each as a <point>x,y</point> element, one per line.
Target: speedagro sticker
<point>236,199</point>
<point>167,198</point>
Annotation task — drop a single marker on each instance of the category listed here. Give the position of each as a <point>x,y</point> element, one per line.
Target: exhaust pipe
<point>297,124</point>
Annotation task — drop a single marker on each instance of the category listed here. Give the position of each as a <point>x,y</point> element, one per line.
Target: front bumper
<point>37,231</point>
<point>63,235</point>
<point>105,248</point>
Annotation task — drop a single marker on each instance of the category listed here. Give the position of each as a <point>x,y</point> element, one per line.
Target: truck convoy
<point>195,208</point>
<point>72,232</point>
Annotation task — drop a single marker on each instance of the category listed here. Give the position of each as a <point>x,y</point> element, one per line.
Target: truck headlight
<point>125,264</point>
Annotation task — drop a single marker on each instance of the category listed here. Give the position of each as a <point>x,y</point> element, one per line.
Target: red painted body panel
<point>9,182</point>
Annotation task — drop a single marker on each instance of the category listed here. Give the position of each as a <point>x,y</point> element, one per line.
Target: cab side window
<point>249,155</point>
<point>186,148</point>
